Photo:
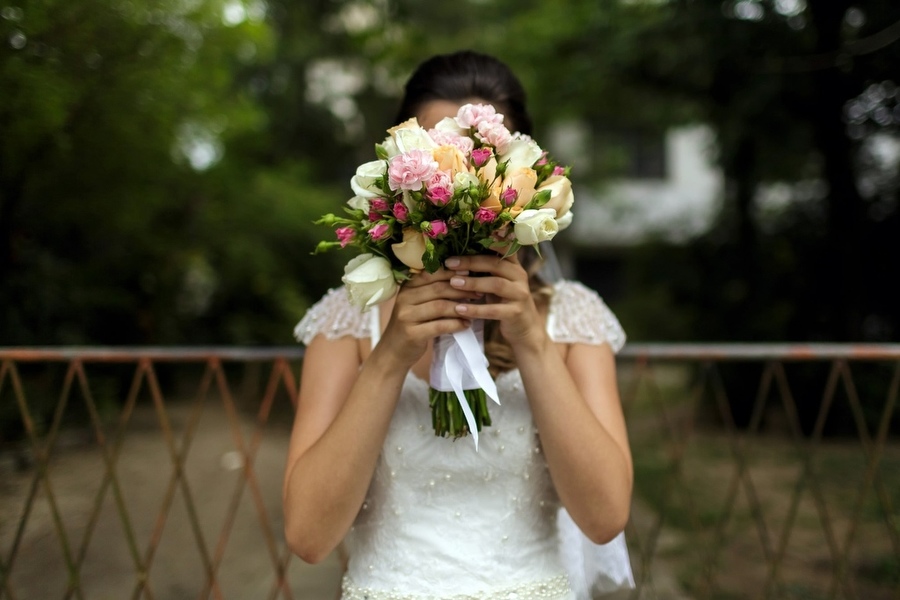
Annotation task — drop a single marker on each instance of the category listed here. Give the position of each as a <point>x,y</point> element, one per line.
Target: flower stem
<point>447,416</point>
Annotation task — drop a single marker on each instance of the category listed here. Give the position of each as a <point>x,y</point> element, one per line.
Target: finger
<point>424,277</point>
<point>497,311</point>
<point>492,286</point>
<point>428,311</point>
<point>487,263</point>
<point>437,327</point>
<point>433,291</point>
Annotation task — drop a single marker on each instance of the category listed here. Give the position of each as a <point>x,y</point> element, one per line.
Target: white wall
<point>682,205</point>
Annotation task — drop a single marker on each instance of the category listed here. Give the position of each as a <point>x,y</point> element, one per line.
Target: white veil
<point>593,569</point>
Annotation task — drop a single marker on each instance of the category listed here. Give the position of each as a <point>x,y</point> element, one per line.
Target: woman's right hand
<point>424,308</point>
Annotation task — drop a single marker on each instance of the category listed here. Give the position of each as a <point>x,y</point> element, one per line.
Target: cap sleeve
<point>579,316</point>
<point>333,316</point>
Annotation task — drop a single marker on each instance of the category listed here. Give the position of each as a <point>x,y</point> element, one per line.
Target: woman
<point>423,516</point>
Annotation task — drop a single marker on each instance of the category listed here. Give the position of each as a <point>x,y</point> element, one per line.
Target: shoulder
<point>579,315</point>
<point>333,316</point>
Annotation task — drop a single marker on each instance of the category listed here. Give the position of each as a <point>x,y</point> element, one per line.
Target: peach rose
<point>449,159</point>
<point>411,249</point>
<point>488,174</point>
<point>523,180</point>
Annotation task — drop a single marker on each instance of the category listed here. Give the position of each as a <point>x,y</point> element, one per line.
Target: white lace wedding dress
<point>442,520</point>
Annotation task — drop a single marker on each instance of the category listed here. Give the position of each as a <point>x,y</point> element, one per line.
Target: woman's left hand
<point>505,288</point>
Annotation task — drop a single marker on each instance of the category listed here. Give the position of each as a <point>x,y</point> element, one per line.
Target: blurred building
<point>651,186</point>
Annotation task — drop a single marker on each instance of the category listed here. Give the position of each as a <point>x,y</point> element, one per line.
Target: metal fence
<point>761,471</point>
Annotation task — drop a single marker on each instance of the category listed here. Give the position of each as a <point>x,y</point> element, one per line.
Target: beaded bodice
<point>442,520</point>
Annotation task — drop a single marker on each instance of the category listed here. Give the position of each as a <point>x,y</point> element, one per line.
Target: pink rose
<point>509,196</point>
<point>462,143</point>
<point>494,134</point>
<point>558,170</point>
<point>345,235</point>
<point>400,211</point>
<point>407,171</point>
<point>542,160</point>
<point>379,232</point>
<point>436,228</point>
<point>439,196</point>
<point>481,156</point>
<point>473,115</point>
<point>379,204</point>
<point>440,188</point>
<point>485,215</point>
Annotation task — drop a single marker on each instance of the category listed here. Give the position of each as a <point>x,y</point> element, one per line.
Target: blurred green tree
<point>133,204</point>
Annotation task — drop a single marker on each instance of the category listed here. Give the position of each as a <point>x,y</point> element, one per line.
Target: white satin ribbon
<point>464,366</point>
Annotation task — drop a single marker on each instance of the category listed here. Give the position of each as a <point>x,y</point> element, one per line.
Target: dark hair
<point>463,75</point>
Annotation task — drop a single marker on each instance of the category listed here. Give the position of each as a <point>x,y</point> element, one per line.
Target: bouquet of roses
<point>468,186</point>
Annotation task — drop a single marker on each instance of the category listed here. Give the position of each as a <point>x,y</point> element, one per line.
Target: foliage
<point>117,223</point>
<point>160,164</point>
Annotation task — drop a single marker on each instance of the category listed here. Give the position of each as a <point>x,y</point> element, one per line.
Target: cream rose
<point>369,280</point>
<point>363,183</point>
<point>561,196</point>
<point>411,249</point>
<point>535,225</point>
<point>522,151</point>
<point>409,135</point>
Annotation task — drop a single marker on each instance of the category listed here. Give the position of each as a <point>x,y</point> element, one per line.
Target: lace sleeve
<point>579,315</point>
<point>334,317</point>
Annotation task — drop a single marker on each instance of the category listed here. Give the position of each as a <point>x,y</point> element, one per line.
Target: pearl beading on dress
<point>556,588</point>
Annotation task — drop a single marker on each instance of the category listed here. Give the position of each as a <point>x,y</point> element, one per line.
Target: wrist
<point>387,357</point>
<point>533,344</point>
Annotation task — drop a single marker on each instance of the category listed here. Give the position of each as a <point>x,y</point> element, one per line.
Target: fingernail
<point>462,308</point>
<point>457,281</point>
<point>451,262</point>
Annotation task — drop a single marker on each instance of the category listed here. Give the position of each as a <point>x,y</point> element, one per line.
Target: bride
<point>425,517</point>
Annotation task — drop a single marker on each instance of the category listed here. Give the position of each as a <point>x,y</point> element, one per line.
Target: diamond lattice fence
<point>760,472</point>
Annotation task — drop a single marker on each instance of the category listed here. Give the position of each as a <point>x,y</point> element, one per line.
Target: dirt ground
<point>153,531</point>
<point>144,469</point>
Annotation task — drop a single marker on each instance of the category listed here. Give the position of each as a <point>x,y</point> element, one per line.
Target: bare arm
<point>574,401</point>
<point>344,410</point>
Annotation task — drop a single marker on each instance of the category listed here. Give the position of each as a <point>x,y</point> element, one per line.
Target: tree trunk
<point>834,87</point>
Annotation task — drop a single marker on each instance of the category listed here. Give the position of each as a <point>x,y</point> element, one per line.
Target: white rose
<point>409,135</point>
<point>450,124</point>
<point>565,220</point>
<point>359,203</point>
<point>390,147</point>
<point>561,196</point>
<point>535,225</point>
<point>414,139</point>
<point>464,179</point>
<point>521,152</point>
<point>363,183</point>
<point>369,280</point>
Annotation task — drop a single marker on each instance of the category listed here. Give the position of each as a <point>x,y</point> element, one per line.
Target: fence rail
<point>761,471</point>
